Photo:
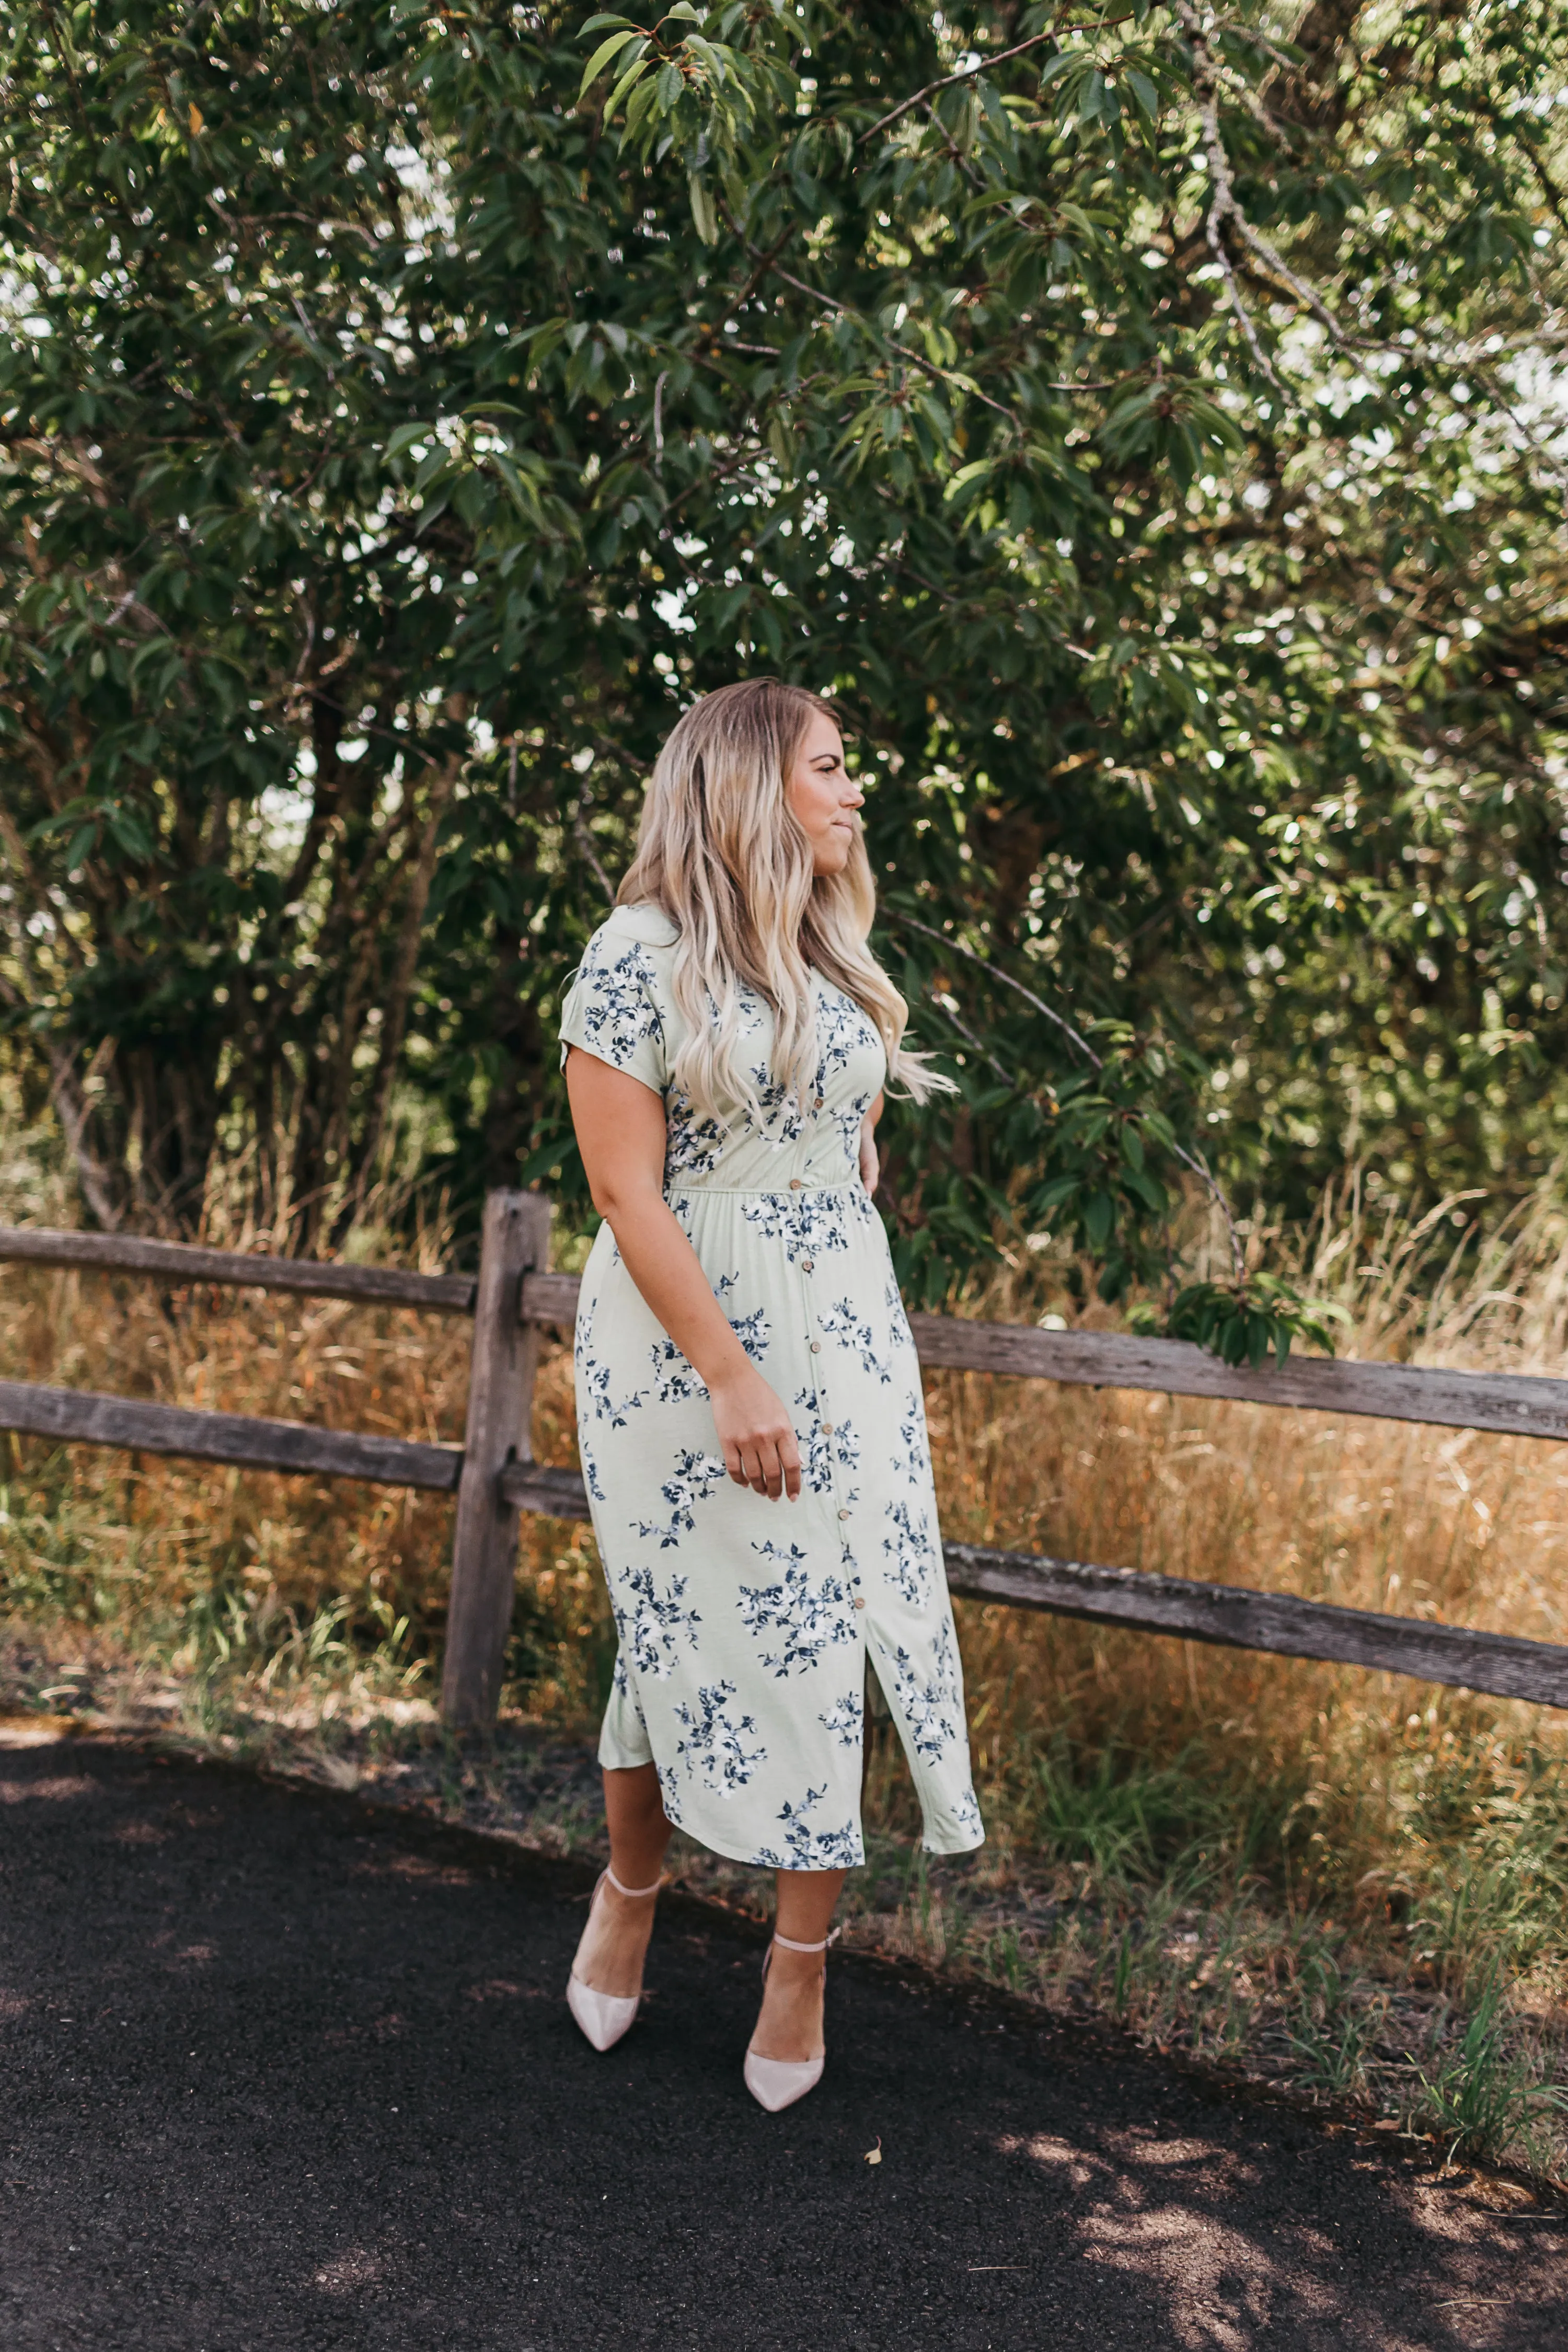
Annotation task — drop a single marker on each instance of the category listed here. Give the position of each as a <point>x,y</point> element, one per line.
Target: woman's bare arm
<point>621,1133</point>
<point>870,1167</point>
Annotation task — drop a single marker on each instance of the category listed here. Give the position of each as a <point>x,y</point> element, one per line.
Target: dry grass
<point>194,1565</point>
<point>1426,1522</point>
<point>1310,1872</point>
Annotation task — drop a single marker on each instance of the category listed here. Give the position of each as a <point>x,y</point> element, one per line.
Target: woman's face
<point>823,796</point>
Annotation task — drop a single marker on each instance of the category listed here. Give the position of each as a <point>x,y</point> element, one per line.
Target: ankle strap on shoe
<point>790,1945</point>
<point>633,1894</point>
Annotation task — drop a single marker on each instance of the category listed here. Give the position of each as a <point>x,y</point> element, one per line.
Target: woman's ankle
<point>792,1968</point>
<point>614,1942</point>
<point>789,2022</point>
<point>635,1878</point>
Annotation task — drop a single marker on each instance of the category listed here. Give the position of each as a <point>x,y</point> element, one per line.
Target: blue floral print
<point>898,1321</point>
<point>604,1405</point>
<point>931,1702</point>
<point>594,1380</point>
<point>693,1145</point>
<point>695,1475</point>
<point>827,1448</point>
<point>808,1847</point>
<point>804,1618</point>
<point>841,1323</point>
<point>910,1551</point>
<point>618,1009</point>
<point>717,1748</point>
<point>808,1224</point>
<point>914,1455</point>
<point>781,1116</point>
<point>654,1622</point>
<point>845,1719</point>
<point>966,1814</point>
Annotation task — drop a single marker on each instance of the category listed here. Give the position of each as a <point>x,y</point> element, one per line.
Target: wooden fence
<point>513,1297</point>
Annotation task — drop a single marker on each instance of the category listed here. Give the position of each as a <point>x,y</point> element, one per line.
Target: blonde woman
<point>748,1401</point>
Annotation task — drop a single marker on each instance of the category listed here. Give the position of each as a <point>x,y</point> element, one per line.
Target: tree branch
<point>1194,1161</point>
<point>942,940</point>
<point>987,65</point>
<point>945,376</point>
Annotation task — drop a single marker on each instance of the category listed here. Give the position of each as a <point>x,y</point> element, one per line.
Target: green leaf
<point>641,103</point>
<point>628,80</point>
<point>602,56</point>
<point>703,208</point>
<point>1099,1217</point>
<point>1144,91</point>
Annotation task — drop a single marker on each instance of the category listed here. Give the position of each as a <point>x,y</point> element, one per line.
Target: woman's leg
<point>610,1955</point>
<point>790,2026</point>
<point>639,1832</point>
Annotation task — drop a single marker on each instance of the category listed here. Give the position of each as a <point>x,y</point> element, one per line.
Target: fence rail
<point>513,1297</point>
<point>183,1262</point>
<point>85,1417</point>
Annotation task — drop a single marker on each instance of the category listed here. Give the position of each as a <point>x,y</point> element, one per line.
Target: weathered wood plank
<point>1511,1403</point>
<point>89,1418</point>
<point>554,1493</point>
<point>177,1261</point>
<point>1515,1404</point>
<point>550,1299</point>
<point>515,1239</point>
<point>1278,1622</point>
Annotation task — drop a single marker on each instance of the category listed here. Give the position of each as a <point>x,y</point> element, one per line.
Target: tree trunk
<point>513,1107</point>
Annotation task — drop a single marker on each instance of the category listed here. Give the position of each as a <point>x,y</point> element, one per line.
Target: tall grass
<point>1352,1881</point>
<point>1348,1780</point>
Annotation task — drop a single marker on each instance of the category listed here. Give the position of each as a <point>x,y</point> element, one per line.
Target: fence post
<point>515,1240</point>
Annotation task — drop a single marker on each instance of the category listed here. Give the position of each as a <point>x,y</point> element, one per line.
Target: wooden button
<point>816,1346</point>
<point>794,1184</point>
<point>828,1429</point>
<point>844,1515</point>
<point>805,1266</point>
<point>858,1603</point>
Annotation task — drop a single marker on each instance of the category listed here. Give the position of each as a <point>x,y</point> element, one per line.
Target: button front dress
<point>745,1625</point>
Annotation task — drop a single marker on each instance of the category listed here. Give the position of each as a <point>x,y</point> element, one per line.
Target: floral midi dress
<point>746,1624</point>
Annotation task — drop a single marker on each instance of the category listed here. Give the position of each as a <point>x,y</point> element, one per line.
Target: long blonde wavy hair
<point>720,853</point>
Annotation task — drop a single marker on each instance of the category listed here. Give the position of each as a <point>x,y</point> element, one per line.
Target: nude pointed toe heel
<point>775,2082</point>
<point>778,2083</point>
<point>604,2017</point>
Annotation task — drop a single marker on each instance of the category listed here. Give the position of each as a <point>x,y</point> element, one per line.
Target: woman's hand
<point>756,1434</point>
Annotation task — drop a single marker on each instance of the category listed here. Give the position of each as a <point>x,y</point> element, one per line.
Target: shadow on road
<point>278,2074</point>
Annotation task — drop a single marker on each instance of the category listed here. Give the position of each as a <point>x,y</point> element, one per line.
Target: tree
<point>1108,413</point>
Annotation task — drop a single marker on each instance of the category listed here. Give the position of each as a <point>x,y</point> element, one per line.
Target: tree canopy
<point>1146,422</point>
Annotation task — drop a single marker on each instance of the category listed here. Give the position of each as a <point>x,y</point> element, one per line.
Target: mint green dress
<point>745,1625</point>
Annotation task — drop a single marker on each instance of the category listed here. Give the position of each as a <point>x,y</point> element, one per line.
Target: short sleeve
<point>612,1009</point>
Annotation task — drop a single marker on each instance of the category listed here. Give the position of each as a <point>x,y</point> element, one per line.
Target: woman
<point>748,1396</point>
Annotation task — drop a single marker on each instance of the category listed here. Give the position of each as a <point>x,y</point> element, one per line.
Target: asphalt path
<point>280,2072</point>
